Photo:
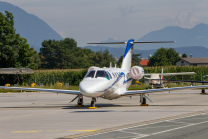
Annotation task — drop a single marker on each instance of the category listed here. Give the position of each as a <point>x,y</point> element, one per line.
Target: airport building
<point>144,62</point>
<point>200,61</point>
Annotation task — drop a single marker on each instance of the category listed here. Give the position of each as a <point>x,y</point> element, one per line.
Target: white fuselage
<point>108,83</point>
<point>155,82</point>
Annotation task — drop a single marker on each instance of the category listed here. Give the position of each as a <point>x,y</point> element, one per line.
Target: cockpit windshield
<point>102,73</point>
<point>90,74</point>
<point>99,74</point>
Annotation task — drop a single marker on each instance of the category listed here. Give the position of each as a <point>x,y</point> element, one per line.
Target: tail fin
<point>126,63</point>
<point>162,76</point>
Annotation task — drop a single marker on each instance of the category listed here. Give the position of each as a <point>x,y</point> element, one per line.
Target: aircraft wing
<point>171,74</point>
<point>188,81</point>
<point>147,78</point>
<point>73,92</point>
<point>138,92</point>
<point>179,73</point>
<point>148,74</point>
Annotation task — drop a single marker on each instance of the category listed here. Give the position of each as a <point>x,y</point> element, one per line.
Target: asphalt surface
<point>191,127</point>
<point>49,115</point>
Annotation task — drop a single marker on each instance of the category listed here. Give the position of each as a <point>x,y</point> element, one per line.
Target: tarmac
<point>178,114</point>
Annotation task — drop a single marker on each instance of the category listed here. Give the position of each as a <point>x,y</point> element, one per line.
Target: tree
<point>119,63</point>
<point>14,49</point>
<point>35,60</point>
<point>184,55</point>
<point>164,57</point>
<point>135,59</point>
<point>63,54</point>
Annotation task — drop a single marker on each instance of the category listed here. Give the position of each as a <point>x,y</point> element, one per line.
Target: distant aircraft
<point>153,80</point>
<point>111,83</point>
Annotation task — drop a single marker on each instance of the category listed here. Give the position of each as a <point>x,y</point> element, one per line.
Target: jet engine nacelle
<point>136,72</point>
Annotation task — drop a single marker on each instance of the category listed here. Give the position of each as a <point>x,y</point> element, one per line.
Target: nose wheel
<point>80,101</point>
<point>93,104</point>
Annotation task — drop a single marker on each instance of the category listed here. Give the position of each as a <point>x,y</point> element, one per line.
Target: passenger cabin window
<point>114,74</point>
<point>90,74</point>
<point>102,74</point>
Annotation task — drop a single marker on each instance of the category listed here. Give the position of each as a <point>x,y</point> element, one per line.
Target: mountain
<point>196,36</point>
<point>196,51</point>
<point>30,26</point>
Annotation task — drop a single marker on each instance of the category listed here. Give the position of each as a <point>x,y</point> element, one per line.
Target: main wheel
<point>92,103</point>
<point>144,100</point>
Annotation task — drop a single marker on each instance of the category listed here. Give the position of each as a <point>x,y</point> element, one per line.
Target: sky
<point>96,20</point>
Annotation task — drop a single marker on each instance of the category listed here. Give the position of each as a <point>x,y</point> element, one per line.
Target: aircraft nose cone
<point>90,89</point>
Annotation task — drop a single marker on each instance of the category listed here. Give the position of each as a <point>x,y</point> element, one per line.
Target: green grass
<point>8,90</point>
<point>57,85</point>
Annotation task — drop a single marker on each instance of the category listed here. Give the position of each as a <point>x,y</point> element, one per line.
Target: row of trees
<point>65,54</point>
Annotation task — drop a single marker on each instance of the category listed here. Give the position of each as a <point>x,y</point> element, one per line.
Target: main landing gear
<point>143,100</point>
<point>203,91</point>
<point>93,104</point>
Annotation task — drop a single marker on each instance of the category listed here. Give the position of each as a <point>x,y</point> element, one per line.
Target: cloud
<point>62,34</point>
<point>126,10</point>
<point>186,19</point>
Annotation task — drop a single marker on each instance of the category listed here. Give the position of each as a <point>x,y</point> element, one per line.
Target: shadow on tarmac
<point>97,105</point>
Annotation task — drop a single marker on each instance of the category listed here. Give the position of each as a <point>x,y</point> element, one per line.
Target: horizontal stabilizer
<point>110,43</point>
<point>134,42</point>
<point>155,42</point>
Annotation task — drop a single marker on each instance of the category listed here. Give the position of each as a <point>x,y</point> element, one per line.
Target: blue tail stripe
<point>128,47</point>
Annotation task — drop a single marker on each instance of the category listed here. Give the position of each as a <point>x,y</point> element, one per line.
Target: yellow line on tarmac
<point>84,130</point>
<point>25,131</point>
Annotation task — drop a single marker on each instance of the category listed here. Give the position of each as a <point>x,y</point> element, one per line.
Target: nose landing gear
<point>80,101</point>
<point>93,104</point>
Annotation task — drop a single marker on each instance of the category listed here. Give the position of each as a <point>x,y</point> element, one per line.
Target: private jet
<point>157,79</point>
<point>111,83</point>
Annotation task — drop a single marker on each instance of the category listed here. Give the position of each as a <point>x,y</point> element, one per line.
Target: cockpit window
<point>102,73</point>
<point>109,74</point>
<point>90,74</point>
